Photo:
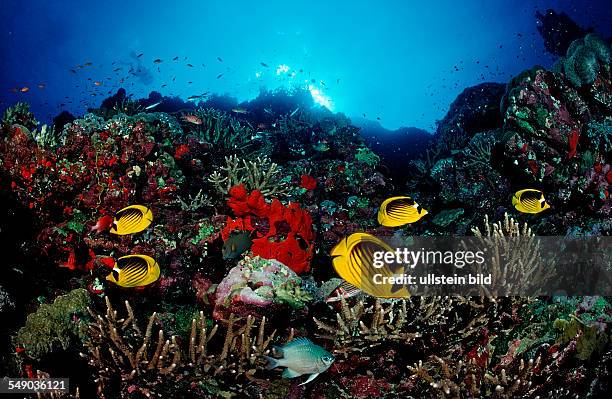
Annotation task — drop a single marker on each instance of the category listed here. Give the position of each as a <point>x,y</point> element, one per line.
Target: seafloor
<point>299,178</point>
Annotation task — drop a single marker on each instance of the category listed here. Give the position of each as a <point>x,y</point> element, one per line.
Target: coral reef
<point>291,180</point>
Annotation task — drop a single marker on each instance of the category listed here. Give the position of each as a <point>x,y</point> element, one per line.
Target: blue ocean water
<point>400,61</point>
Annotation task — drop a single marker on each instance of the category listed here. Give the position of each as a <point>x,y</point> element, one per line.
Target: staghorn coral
<point>458,379</point>
<point>47,137</point>
<point>129,359</point>
<point>52,326</point>
<point>516,263</point>
<point>260,174</point>
<point>414,321</point>
<point>192,204</point>
<point>117,346</point>
<point>224,132</point>
<point>478,153</point>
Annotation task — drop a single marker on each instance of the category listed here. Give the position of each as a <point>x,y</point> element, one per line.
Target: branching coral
<point>117,346</point>
<point>47,137</point>
<point>19,114</point>
<point>226,133</point>
<point>515,260</point>
<point>458,379</point>
<point>478,153</point>
<point>409,322</point>
<point>260,174</point>
<point>130,359</point>
<point>41,375</point>
<point>194,203</point>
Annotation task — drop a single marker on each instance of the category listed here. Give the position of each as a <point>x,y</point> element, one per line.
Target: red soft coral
<point>289,236</point>
<point>243,203</point>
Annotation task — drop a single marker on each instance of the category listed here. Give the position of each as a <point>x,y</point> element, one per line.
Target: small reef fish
<point>192,119</point>
<point>132,219</point>
<point>157,61</point>
<point>219,59</point>
<point>344,290</point>
<point>353,260</point>
<point>148,107</point>
<point>190,65</point>
<point>294,111</point>
<point>529,200</point>
<point>103,224</point>
<point>175,58</point>
<point>98,83</point>
<point>134,271</point>
<point>236,245</point>
<point>263,64</point>
<point>24,89</point>
<point>219,76</point>
<point>41,85</point>
<point>398,211</point>
<point>240,111</point>
<point>301,356</point>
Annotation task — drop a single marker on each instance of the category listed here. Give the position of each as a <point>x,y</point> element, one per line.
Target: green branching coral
<point>52,326</point>
<point>260,174</point>
<point>226,133</point>
<point>581,63</point>
<point>19,114</point>
<point>47,137</point>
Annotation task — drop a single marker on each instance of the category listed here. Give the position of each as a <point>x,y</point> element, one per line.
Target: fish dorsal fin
<point>298,342</point>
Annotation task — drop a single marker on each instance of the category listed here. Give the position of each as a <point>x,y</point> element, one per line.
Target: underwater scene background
<point>178,182</point>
